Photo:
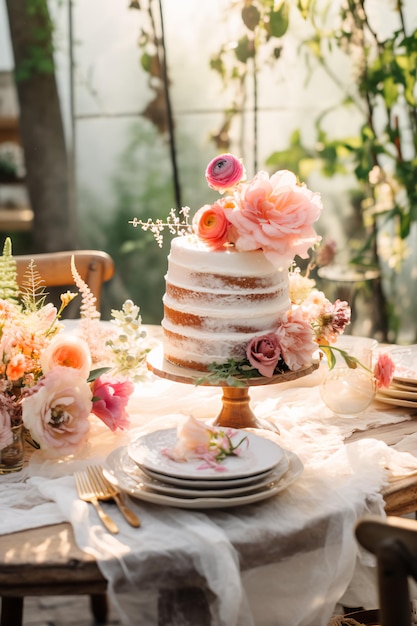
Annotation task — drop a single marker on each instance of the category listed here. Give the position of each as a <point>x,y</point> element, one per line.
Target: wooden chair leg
<point>99,607</point>
<point>394,596</point>
<point>11,611</point>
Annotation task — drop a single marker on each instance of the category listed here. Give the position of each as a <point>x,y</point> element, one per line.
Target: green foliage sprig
<point>9,289</point>
<point>234,373</point>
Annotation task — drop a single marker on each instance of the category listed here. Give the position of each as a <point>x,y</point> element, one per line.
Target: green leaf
<point>94,374</point>
<point>279,20</point>
<point>250,16</point>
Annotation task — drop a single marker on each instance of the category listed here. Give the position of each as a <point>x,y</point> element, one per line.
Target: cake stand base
<point>236,411</point>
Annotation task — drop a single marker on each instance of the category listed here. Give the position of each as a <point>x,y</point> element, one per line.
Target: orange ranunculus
<point>67,351</point>
<point>16,367</point>
<point>211,225</point>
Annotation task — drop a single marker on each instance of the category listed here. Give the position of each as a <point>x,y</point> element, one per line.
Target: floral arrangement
<point>274,214</point>
<point>197,440</point>
<point>47,380</point>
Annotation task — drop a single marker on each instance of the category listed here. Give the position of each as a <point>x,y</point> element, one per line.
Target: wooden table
<point>46,561</point>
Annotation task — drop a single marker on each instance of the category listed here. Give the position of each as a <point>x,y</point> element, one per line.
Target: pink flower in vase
<point>110,399</point>
<point>224,172</point>
<point>384,370</point>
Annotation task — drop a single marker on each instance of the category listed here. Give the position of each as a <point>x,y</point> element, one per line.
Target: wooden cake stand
<point>235,411</point>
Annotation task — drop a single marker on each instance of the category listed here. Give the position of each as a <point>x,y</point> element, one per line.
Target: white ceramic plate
<point>121,460</point>
<point>405,359</point>
<point>409,404</point>
<point>399,393</point>
<point>116,474</point>
<point>206,484</point>
<point>260,455</point>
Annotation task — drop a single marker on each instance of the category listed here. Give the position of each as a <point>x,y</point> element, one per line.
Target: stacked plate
<point>142,470</point>
<point>403,388</point>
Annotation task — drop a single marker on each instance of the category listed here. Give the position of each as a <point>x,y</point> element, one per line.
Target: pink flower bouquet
<point>47,376</point>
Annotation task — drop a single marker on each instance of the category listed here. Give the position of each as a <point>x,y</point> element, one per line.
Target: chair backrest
<point>394,542</point>
<point>94,266</point>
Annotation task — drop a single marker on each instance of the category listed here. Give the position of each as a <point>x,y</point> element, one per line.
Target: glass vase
<point>12,456</point>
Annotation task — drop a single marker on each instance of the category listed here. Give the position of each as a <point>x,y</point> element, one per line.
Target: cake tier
<point>217,301</point>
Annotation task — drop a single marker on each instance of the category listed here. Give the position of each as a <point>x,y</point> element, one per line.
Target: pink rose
<point>264,353</point>
<point>67,351</point>
<point>275,215</point>
<point>384,370</point>
<point>296,339</point>
<point>224,172</point>
<point>56,410</point>
<point>211,225</point>
<point>110,399</point>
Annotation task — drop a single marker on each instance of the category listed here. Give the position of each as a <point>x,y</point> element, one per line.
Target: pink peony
<point>56,410</point>
<point>296,340</point>
<point>211,225</point>
<point>224,172</point>
<point>67,351</point>
<point>275,215</point>
<point>110,399</point>
<point>384,370</point>
<point>264,353</point>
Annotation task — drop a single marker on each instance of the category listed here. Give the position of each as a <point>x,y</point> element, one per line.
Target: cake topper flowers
<point>274,213</point>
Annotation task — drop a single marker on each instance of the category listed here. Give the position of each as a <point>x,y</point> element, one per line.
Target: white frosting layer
<point>217,301</point>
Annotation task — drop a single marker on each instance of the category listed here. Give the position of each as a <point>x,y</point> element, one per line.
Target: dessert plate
<point>260,456</point>
<point>409,404</point>
<point>120,459</point>
<point>115,472</point>
<point>399,393</point>
<point>405,359</point>
<point>207,484</point>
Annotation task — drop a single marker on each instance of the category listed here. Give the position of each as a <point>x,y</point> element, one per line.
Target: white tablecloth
<point>339,484</point>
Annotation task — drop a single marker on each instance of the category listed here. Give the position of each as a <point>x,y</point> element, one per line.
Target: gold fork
<point>86,493</point>
<point>106,491</point>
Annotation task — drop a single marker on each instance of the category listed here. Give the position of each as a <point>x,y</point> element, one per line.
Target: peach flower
<point>56,410</point>
<point>296,340</point>
<point>275,215</point>
<point>224,172</point>
<point>211,225</point>
<point>67,351</point>
<point>16,367</point>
